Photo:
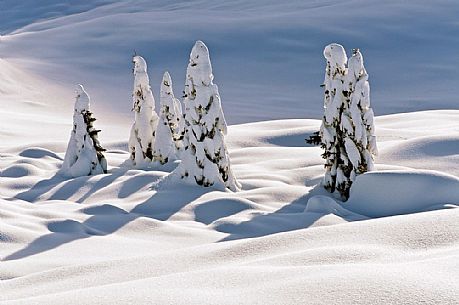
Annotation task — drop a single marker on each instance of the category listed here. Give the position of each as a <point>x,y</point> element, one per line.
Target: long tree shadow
<point>41,188</point>
<point>108,219</point>
<point>288,218</point>
<point>102,183</point>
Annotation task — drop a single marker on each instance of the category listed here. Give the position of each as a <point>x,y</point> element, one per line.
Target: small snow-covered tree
<point>84,155</point>
<point>170,130</point>
<point>143,131</point>
<point>347,131</point>
<point>205,158</point>
<point>330,131</point>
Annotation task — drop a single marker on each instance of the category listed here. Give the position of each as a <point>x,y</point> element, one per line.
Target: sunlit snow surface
<point>145,237</point>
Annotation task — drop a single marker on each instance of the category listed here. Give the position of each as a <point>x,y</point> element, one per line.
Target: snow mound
<point>397,192</point>
<point>19,170</point>
<point>38,152</point>
<point>325,205</point>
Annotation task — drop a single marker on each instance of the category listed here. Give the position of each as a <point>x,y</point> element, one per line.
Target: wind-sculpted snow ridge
<point>146,237</point>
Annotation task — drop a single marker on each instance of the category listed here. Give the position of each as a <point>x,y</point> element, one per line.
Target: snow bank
<point>387,193</point>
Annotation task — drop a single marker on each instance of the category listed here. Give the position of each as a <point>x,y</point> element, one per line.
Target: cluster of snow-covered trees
<point>196,135</point>
<point>347,132</point>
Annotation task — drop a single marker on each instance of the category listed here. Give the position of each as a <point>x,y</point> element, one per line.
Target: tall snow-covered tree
<point>143,131</point>
<point>84,155</point>
<point>170,130</point>
<point>205,158</point>
<point>347,130</point>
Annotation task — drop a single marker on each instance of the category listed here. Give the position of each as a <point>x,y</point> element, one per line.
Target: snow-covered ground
<point>144,237</point>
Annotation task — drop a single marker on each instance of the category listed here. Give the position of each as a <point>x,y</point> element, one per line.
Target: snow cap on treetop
<point>82,99</point>
<point>355,64</point>
<point>200,68</point>
<point>166,84</point>
<point>335,54</point>
<point>140,65</point>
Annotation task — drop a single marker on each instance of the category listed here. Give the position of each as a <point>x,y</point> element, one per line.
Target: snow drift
<point>387,193</point>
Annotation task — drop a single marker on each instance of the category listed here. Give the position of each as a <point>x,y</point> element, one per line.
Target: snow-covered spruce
<point>347,130</point>
<point>143,131</point>
<point>359,138</point>
<point>170,132</point>
<point>84,155</point>
<point>330,132</point>
<point>205,159</point>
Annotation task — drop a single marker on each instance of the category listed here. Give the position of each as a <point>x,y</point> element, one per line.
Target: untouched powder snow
<point>387,193</point>
<point>145,237</point>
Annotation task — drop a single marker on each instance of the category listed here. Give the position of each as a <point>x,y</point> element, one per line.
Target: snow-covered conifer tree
<point>84,155</point>
<point>333,106</point>
<point>205,158</point>
<point>360,140</point>
<point>170,130</point>
<point>347,130</point>
<point>143,131</point>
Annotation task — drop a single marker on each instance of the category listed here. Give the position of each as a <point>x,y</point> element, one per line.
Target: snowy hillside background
<point>145,237</point>
<point>267,55</point>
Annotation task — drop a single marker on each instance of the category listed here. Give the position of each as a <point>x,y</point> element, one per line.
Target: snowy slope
<point>267,55</point>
